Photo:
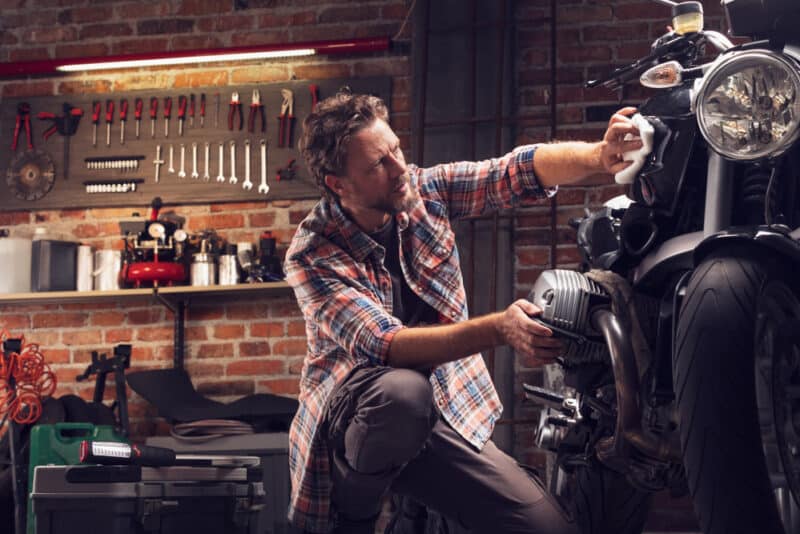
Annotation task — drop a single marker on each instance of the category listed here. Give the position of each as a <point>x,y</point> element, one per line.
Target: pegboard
<point>114,166</point>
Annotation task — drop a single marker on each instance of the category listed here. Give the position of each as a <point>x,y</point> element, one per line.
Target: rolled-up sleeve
<point>343,312</point>
<point>471,188</point>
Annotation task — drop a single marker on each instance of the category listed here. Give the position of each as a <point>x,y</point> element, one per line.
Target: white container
<point>107,264</point>
<point>15,256</point>
<point>85,269</point>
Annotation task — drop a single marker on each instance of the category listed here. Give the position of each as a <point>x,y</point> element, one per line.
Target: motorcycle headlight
<point>747,105</point>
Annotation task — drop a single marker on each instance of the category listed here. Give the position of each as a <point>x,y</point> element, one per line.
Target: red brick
<point>82,337</point>
<point>638,11</point>
<point>236,207</point>
<point>296,365</point>
<point>262,220</point>
<point>140,353</point>
<point>147,316</point>
<point>296,328</point>
<point>13,90</point>
<point>196,42</point>
<point>140,46</point>
<point>59,34</point>
<point>12,218</point>
<point>280,386</point>
<point>284,310</point>
<point>320,71</point>
<point>154,334</point>
<point>228,331</point>
<point>245,311</point>
<point>202,7</point>
<point>528,276</point>
<point>533,256</point>
<point>253,349</point>
<point>14,322</point>
<point>290,347</point>
<point>199,312</point>
<point>215,350</point>
<point>260,37</point>
<point>196,333</point>
<point>59,320</point>
<point>218,221</point>
<point>568,256</point>
<point>82,15</point>
<point>266,330</point>
<point>255,367</point>
<point>118,335</point>
<point>85,87</point>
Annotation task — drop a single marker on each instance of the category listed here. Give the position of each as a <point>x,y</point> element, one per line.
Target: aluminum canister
<point>84,272</point>
<point>204,269</point>
<point>228,270</point>
<point>107,264</point>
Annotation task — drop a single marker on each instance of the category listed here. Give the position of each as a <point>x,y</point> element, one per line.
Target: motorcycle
<point>681,366</point>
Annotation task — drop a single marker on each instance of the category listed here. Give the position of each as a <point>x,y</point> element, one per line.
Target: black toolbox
<point>138,500</point>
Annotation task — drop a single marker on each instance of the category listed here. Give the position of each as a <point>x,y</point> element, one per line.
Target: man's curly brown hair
<point>328,129</point>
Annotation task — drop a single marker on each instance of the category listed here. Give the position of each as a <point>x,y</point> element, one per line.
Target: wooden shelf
<point>270,289</point>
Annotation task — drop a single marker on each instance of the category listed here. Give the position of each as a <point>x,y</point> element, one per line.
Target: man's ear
<point>334,183</point>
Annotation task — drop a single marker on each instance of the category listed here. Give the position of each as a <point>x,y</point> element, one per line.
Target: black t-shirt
<point>406,305</point>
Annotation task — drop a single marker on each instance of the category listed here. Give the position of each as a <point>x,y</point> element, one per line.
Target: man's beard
<point>405,203</point>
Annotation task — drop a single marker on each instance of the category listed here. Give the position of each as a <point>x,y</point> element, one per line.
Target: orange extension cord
<point>32,381</point>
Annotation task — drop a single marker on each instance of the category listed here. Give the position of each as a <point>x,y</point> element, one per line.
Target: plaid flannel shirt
<point>345,295</point>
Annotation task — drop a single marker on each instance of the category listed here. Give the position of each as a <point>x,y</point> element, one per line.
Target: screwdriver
<point>109,118</point>
<point>153,115</point>
<point>167,113</point>
<point>137,114</point>
<point>202,110</point>
<point>96,108</point>
<point>123,115</point>
<point>181,113</point>
<point>191,110</point>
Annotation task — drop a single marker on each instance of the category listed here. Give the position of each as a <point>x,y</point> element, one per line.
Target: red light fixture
<point>187,57</point>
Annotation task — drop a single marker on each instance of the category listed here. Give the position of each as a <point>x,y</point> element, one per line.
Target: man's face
<point>376,184</point>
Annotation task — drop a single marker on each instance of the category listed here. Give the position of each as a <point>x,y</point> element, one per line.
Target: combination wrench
<point>195,174</point>
<point>221,176</point>
<point>247,184</point>
<point>182,172</point>
<point>263,188</point>
<point>207,147</point>
<point>234,180</point>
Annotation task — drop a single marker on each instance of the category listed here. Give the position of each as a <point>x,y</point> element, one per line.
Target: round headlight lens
<point>747,105</point>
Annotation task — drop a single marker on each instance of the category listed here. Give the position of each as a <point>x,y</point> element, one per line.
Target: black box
<point>139,500</point>
<point>273,450</point>
<point>53,265</point>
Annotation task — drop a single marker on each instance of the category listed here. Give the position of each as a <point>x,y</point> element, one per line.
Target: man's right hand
<point>527,337</point>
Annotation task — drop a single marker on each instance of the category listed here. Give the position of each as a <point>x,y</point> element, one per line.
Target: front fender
<point>762,239</point>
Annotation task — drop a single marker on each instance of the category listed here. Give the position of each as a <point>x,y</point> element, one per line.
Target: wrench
<point>263,188</point>
<point>220,176</point>
<point>247,184</point>
<point>171,166</point>
<point>158,162</point>
<point>207,146</point>
<point>195,175</point>
<point>182,172</point>
<point>234,180</point>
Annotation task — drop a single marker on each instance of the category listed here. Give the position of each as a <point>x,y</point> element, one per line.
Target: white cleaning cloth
<point>626,175</point>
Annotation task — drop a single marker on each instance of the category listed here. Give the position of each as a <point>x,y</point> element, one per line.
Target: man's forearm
<point>427,346</point>
<point>566,162</point>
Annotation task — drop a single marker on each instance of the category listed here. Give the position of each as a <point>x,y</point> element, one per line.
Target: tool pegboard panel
<point>115,172</point>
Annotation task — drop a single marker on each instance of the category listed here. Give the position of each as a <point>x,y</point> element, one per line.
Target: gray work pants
<point>385,434</point>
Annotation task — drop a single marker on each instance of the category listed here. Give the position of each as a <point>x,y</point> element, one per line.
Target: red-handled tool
<point>167,114</point>
<point>235,109</point>
<point>202,110</point>
<point>181,113</point>
<point>191,110</point>
<point>109,120</point>
<point>23,121</point>
<point>97,107</point>
<point>256,109</point>
<point>153,115</point>
<point>286,119</point>
<point>137,114</point>
<point>123,116</point>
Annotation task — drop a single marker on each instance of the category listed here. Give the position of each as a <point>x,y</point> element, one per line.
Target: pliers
<point>23,119</point>
<point>256,108</point>
<point>235,109</point>
<point>286,119</point>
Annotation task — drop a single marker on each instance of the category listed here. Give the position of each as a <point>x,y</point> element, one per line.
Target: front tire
<point>714,366</point>
<point>606,503</point>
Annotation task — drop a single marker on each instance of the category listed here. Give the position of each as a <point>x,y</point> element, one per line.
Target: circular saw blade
<point>31,175</point>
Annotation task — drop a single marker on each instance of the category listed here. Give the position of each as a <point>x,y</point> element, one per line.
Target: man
<point>393,395</point>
